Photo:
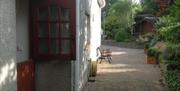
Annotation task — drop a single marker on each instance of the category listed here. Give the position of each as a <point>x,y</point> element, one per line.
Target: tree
<point>149,6</point>
<point>120,16</point>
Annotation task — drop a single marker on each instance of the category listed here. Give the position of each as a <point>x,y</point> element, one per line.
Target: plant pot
<point>151,60</point>
<point>93,69</point>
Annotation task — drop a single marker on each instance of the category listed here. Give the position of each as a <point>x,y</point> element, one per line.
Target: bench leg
<point>100,60</point>
<point>109,59</point>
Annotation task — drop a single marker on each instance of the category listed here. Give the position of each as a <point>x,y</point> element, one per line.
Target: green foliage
<point>174,11</point>
<point>161,27</point>
<point>173,80</point>
<point>153,52</point>
<point>114,20</point>
<point>146,46</point>
<point>173,35</point>
<point>136,9</point>
<point>149,6</point>
<point>122,36</point>
<point>173,65</point>
<point>154,40</point>
<point>119,16</point>
<point>174,51</point>
<point>168,30</point>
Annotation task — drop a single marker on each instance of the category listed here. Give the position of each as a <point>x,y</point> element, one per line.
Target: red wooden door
<point>25,76</point>
<point>53,29</point>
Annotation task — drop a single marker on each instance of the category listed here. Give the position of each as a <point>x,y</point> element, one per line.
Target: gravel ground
<point>127,72</point>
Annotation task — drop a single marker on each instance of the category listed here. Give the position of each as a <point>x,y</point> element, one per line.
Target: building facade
<point>48,45</point>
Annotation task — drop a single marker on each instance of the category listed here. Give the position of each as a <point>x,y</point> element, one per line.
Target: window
<point>54,33</point>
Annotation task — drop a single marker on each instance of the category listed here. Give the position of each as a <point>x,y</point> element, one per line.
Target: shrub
<point>122,36</point>
<point>174,51</point>
<point>173,65</point>
<point>153,52</point>
<point>154,40</point>
<point>108,34</point>
<point>146,46</point>
<point>173,80</point>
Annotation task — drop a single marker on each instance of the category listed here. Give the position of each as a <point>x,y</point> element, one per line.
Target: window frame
<point>35,31</point>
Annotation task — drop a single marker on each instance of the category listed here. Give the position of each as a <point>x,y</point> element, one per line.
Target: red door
<point>25,76</point>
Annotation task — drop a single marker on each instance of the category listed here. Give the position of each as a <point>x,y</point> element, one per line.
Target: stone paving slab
<point>127,72</point>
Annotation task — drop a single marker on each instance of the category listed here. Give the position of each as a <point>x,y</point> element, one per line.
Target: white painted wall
<point>95,29</point>
<point>81,66</point>
<point>8,61</point>
<point>83,29</point>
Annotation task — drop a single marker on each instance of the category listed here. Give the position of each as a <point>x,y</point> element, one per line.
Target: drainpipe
<point>76,63</point>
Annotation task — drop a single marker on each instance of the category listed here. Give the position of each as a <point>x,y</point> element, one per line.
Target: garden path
<point>127,72</point>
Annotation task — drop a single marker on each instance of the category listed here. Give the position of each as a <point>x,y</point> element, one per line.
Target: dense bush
<point>153,52</point>
<point>146,46</point>
<point>173,80</point>
<point>154,40</point>
<point>168,31</point>
<point>174,51</point>
<point>122,36</point>
<point>119,15</point>
<point>173,65</point>
<point>174,34</point>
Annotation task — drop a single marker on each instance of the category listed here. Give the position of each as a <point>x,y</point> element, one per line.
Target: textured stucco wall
<point>53,76</point>
<point>89,31</point>
<point>7,46</point>
<point>84,32</point>
<point>22,35</point>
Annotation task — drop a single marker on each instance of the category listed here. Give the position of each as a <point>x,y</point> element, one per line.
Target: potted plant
<point>152,54</point>
<point>146,46</point>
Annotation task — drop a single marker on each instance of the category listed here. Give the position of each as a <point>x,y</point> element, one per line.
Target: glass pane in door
<point>43,14</point>
<point>55,46</point>
<point>54,13</point>
<point>65,30</point>
<point>65,14</point>
<point>54,30</point>
<point>43,46</point>
<point>65,46</point>
<point>43,30</point>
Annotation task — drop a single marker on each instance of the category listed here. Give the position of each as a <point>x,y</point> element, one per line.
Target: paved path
<point>127,72</point>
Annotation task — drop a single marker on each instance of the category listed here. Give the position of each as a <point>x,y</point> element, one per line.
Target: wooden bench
<point>104,54</point>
